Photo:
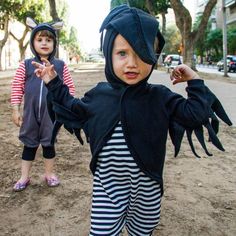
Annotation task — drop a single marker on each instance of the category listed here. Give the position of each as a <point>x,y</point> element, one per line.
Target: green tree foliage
<point>200,46</point>
<point>68,36</point>
<point>71,43</point>
<point>17,10</point>
<point>40,11</point>
<point>173,40</point>
<point>231,35</point>
<point>33,9</point>
<point>115,3</point>
<point>159,8</point>
<point>213,43</point>
<point>190,35</point>
<point>141,4</point>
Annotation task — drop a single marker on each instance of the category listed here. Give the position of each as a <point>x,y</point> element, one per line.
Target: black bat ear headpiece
<point>139,28</point>
<point>52,27</point>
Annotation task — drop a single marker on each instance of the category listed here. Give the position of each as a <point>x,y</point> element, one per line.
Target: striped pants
<point>123,196</point>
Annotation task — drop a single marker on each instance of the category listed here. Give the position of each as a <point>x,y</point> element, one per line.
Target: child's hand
<point>16,116</point>
<point>183,73</point>
<point>44,71</point>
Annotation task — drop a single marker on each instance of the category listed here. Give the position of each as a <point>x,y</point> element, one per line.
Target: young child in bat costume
<point>126,122</point>
<point>36,125</point>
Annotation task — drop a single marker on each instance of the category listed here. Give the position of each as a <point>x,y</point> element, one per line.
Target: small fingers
<point>176,76</point>
<point>176,72</point>
<point>38,72</point>
<point>45,62</point>
<point>37,65</point>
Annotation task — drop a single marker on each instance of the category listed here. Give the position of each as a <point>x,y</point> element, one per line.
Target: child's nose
<point>132,62</point>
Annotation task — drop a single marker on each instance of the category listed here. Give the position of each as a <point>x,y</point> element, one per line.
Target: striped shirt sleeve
<point>18,85</point>
<point>68,80</point>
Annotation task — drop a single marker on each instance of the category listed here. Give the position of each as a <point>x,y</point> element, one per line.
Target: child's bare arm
<point>44,71</point>
<point>16,115</point>
<point>183,73</point>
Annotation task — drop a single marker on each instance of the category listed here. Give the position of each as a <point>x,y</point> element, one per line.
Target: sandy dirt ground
<point>199,199</point>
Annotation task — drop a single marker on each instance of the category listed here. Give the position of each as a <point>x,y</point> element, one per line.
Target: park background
<point>199,197</point>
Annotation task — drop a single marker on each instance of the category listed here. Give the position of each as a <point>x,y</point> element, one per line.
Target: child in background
<point>126,121</point>
<point>36,125</point>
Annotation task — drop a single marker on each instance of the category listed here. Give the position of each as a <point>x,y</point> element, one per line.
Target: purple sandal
<point>52,182</point>
<point>21,186</point>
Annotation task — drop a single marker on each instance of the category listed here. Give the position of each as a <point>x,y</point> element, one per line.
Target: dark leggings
<point>29,153</point>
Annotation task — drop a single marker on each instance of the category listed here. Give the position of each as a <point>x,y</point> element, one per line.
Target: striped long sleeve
<point>18,85</point>
<point>68,80</point>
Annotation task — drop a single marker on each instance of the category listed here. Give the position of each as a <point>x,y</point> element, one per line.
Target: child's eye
<point>122,53</point>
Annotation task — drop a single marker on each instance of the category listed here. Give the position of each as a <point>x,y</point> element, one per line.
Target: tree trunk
<point>184,23</point>
<point>4,40</point>
<point>55,17</point>
<point>149,5</point>
<point>53,10</point>
<point>188,52</point>
<point>163,30</point>
<point>22,47</point>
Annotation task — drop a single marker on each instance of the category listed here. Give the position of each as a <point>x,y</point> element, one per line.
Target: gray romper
<point>37,126</point>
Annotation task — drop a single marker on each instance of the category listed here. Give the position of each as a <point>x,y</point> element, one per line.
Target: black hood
<point>40,27</point>
<point>139,29</point>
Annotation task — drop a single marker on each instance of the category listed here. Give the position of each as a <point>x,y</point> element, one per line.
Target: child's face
<point>126,63</point>
<point>43,45</point>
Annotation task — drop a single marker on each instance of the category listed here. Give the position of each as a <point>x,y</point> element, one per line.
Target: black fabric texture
<point>49,152</point>
<point>147,112</point>
<point>100,109</point>
<point>29,153</point>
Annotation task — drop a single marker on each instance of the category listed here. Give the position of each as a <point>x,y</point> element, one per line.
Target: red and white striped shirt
<point>18,83</point>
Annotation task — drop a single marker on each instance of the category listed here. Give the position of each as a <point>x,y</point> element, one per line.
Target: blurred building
<point>216,16</point>
<point>230,13</point>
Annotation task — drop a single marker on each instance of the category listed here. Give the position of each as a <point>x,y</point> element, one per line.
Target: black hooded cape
<point>147,112</point>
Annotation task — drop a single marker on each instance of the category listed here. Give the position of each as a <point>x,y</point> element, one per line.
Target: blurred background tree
<point>7,12</point>
<point>31,9</point>
<point>40,11</point>
<point>191,36</point>
<point>153,7</point>
<point>173,39</point>
<point>184,36</point>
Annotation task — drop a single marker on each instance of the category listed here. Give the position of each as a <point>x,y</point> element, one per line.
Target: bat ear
<point>31,23</point>
<point>57,25</point>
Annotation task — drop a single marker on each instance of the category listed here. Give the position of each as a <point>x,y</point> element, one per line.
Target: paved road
<point>7,73</point>
<point>214,70</point>
<point>226,92</point>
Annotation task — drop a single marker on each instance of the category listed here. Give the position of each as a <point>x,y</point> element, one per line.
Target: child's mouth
<point>131,75</point>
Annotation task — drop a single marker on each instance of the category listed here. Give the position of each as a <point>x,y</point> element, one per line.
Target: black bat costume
<point>74,117</point>
<point>73,123</point>
<point>147,112</point>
